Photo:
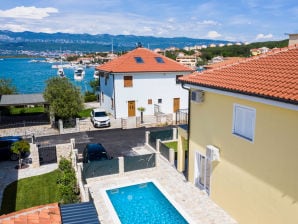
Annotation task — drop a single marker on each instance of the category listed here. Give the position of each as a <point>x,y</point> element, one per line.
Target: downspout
<point>188,121</point>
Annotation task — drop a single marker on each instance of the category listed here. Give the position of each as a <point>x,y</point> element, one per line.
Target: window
<point>159,101</point>
<point>177,79</point>
<point>112,103</point>
<point>159,60</point>
<point>244,121</point>
<point>149,101</point>
<point>139,60</point>
<point>127,81</point>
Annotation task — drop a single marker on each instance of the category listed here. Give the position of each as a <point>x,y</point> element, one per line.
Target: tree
<point>142,109</point>
<point>64,98</point>
<point>6,87</point>
<point>19,148</point>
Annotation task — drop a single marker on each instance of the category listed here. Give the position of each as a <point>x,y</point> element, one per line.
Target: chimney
<point>293,39</point>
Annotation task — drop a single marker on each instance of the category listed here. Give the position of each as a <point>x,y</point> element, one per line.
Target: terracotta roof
<point>273,75</point>
<point>227,61</point>
<point>44,214</point>
<point>127,63</point>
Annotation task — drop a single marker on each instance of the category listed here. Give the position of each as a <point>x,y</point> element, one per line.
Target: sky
<point>242,20</point>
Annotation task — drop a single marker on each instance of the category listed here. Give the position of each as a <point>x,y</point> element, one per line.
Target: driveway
<point>118,142</point>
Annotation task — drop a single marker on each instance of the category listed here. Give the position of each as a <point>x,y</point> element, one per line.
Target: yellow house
<point>243,137</point>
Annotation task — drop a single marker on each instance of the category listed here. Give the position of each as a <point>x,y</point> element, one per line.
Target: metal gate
<point>47,155</point>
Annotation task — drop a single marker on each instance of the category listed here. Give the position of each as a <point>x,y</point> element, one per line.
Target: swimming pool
<point>143,203</point>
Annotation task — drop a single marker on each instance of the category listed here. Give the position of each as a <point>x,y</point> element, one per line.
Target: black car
<point>95,152</point>
<point>5,148</point>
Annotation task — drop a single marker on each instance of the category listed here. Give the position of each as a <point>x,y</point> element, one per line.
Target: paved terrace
<point>196,204</point>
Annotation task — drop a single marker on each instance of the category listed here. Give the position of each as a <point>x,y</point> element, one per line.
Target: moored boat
<point>79,73</point>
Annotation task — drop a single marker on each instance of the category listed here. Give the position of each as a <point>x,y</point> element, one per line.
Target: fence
<point>14,121</point>
<point>47,155</point>
<point>100,168</point>
<point>139,162</point>
<point>163,135</point>
<point>182,116</point>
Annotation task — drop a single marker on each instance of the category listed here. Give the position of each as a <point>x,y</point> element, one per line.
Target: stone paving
<point>195,204</point>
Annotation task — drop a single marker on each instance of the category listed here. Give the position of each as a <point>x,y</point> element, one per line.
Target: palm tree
<point>142,109</point>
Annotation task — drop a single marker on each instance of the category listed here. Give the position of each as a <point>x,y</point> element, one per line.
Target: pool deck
<point>195,204</point>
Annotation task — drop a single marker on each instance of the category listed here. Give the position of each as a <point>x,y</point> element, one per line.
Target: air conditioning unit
<point>197,96</point>
<point>212,153</point>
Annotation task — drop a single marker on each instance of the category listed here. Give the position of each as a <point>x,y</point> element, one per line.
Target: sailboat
<point>60,71</point>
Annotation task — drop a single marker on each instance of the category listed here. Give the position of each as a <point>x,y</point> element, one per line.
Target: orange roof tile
<point>273,76</point>
<point>127,63</point>
<point>44,214</point>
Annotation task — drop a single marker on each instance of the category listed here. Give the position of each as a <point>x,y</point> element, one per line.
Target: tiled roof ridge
<point>28,211</point>
<point>273,51</point>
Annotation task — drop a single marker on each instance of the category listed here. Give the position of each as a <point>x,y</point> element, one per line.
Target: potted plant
<point>141,109</point>
<point>20,148</point>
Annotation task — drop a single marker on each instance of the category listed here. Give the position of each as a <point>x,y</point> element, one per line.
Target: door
<point>202,172</point>
<point>131,109</point>
<point>176,104</point>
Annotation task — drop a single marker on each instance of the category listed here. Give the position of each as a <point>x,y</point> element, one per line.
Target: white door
<point>202,172</point>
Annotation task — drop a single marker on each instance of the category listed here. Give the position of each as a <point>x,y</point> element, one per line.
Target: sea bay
<point>30,77</point>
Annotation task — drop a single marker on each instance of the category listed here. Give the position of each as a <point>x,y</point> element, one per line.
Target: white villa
<point>142,78</point>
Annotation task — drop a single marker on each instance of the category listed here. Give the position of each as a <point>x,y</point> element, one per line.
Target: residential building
<point>142,78</point>
<point>243,136</point>
<point>188,60</point>
<point>293,39</point>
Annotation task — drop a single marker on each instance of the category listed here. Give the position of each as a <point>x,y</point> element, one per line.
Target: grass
<point>85,113</point>
<point>174,145</point>
<point>26,110</point>
<point>30,192</point>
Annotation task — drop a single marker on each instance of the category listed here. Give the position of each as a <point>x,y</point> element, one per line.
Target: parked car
<point>95,152</point>
<point>100,118</point>
<point>5,148</point>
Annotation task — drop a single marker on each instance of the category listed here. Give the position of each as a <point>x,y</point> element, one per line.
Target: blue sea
<point>30,77</point>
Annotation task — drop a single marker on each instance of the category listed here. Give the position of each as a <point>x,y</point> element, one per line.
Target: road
<point>118,142</point>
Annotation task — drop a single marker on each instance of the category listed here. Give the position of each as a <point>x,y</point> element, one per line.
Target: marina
<point>30,75</point>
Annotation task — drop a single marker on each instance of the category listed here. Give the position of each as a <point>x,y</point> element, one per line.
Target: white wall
<point>108,91</point>
<point>149,86</point>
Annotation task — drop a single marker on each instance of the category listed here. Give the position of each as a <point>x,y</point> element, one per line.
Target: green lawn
<point>30,192</point>
<point>174,145</point>
<point>26,110</point>
<point>85,113</point>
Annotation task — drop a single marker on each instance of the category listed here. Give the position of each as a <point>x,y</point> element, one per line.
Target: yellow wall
<point>255,182</point>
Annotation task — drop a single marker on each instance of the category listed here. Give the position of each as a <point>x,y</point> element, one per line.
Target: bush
<point>90,97</point>
<point>67,183</point>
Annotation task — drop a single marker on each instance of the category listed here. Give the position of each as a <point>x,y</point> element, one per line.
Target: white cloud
<point>208,22</point>
<point>213,34</point>
<point>27,12</point>
<point>263,36</point>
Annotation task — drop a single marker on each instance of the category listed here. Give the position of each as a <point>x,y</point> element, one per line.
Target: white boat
<point>79,73</point>
<point>96,74</point>
<point>60,72</point>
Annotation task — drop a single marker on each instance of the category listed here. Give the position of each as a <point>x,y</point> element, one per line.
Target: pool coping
<point>113,212</point>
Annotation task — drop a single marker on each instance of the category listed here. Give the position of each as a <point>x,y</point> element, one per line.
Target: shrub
<point>67,183</point>
<point>90,97</point>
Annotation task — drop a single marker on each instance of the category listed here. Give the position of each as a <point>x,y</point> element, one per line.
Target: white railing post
<point>172,156</point>
<point>121,165</point>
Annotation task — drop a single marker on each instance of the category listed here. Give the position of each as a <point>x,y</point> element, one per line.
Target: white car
<point>100,118</point>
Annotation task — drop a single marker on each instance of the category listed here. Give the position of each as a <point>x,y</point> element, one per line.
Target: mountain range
<point>18,42</point>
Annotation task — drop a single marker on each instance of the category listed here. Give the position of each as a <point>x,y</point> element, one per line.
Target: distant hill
<point>14,42</point>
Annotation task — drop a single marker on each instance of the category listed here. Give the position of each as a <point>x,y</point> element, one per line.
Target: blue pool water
<point>30,77</point>
<point>143,203</point>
